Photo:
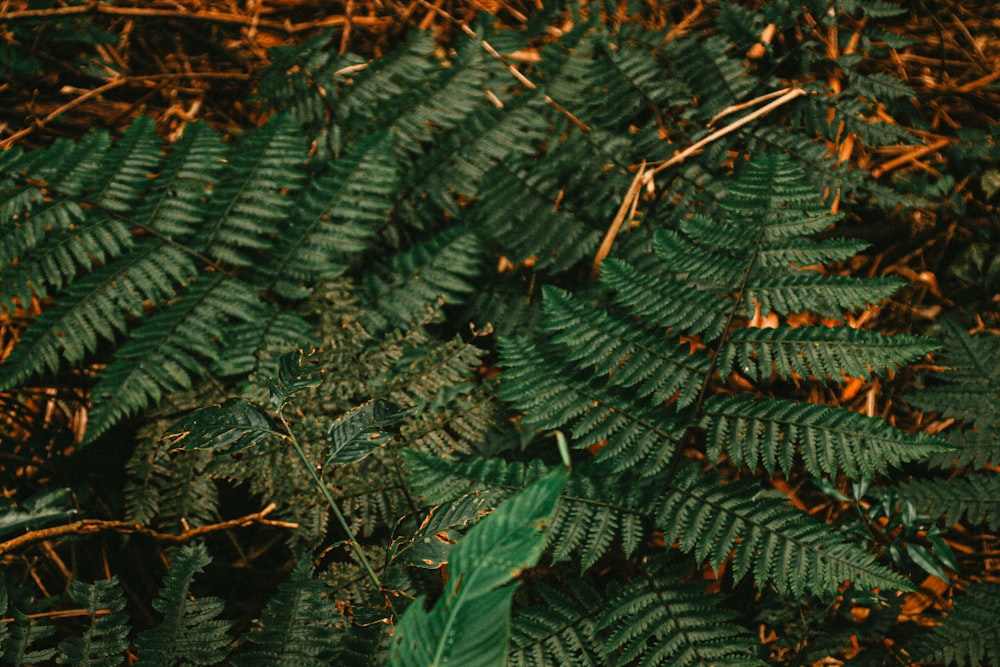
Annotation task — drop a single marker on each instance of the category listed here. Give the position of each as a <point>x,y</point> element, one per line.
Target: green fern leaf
<point>457,164</point>
<point>166,353</point>
<point>658,620</point>
<point>826,353</point>
<point>720,80</point>
<point>126,168</point>
<point>190,630</point>
<point>974,498</point>
<point>559,630</point>
<point>597,510</point>
<point>176,202</point>
<point>680,307</point>
<point>96,307</point>
<point>969,390</point>
<point>765,535</point>
<point>624,71</point>
<point>297,371</point>
<point>339,215</point>
<point>457,93</point>
<point>470,623</point>
<point>296,628</point>
<point>818,293</point>
<point>633,434</point>
<point>770,432</point>
<point>28,642</point>
<point>252,200</point>
<point>969,635</point>
<point>423,279</point>
<point>106,639</point>
<point>49,203</point>
<point>257,345</point>
<point>36,511</point>
<point>635,360</point>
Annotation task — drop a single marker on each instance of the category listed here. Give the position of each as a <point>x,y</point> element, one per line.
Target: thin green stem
<point>331,501</point>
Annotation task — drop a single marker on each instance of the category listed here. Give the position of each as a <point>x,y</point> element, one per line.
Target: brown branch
<point>93,526</point>
<point>788,96</point>
<point>627,209</point>
<point>210,16</point>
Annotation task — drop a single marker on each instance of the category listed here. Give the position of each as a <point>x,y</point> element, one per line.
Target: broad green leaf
<point>361,430</point>
<point>231,427</point>
<point>470,623</point>
<point>39,510</point>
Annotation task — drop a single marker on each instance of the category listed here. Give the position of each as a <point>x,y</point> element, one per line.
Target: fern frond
<point>97,307</point>
<point>295,629</point>
<point>167,352</point>
<point>826,353</point>
<point>190,630</point>
<point>254,347</point>
<point>559,630</point>
<point>49,202</point>
<point>338,217</point>
<point>822,169</point>
<point>812,292</point>
<point>185,492</point>
<point>124,171</point>
<point>969,635</point>
<point>656,619</point>
<point>596,510</point>
<point>765,535</point>
<point>457,92</point>
<point>720,80</point>
<point>974,498</point>
<point>773,432</point>
<point>28,640</point>
<point>301,80</point>
<point>176,204</point>
<point>624,71</point>
<point>106,639</point>
<point>701,264</point>
<point>439,482</point>
<point>633,433</point>
<point>423,279</point>
<point>968,391</point>
<point>62,256</point>
<point>679,306</point>
<point>634,359</point>
<point>252,201</point>
<point>377,93</point>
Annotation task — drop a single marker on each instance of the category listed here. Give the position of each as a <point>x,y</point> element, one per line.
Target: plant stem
<point>330,500</point>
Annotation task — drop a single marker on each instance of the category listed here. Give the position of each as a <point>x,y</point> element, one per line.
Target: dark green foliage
<point>105,641</point>
<point>559,630</point>
<point>190,630</point>
<point>774,432</point>
<point>296,626</point>
<point>775,543</point>
<point>969,635</point>
<point>41,509</point>
<point>658,620</point>
<point>969,392</point>
<point>973,499</point>
<point>389,204</point>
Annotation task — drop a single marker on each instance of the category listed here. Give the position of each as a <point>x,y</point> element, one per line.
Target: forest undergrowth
<point>520,333</point>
